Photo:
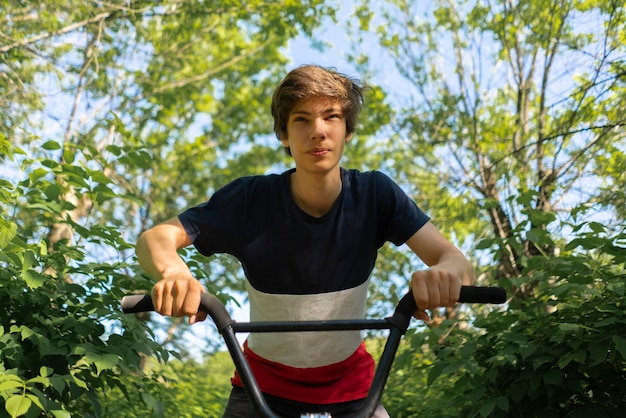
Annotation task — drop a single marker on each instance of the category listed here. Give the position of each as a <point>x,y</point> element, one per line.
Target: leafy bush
<point>561,353</point>
<point>62,337</point>
<point>186,389</point>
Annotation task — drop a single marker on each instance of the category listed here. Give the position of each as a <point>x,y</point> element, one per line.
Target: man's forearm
<point>176,292</point>
<point>157,255</point>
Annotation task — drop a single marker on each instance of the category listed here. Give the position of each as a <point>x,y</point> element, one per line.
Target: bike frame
<point>397,325</point>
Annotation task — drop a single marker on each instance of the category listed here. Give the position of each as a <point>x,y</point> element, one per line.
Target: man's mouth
<point>318,152</point>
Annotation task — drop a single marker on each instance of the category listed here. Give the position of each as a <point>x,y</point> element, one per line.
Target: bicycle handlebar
<point>397,324</point>
<point>406,307</point>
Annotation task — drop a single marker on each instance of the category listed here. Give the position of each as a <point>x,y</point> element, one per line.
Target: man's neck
<point>316,195</point>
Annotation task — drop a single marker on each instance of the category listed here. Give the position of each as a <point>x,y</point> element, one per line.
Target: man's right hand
<point>179,297</point>
<point>177,292</point>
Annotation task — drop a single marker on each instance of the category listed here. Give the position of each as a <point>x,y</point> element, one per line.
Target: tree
<point>514,110</point>
<point>115,115</point>
<point>510,131</point>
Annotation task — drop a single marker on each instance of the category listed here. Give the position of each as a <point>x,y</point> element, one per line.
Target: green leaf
<point>52,191</point>
<point>553,377</point>
<point>48,350</point>
<point>58,383</point>
<point>597,227</point>
<point>41,380</point>
<point>102,361</point>
<point>620,343</point>
<point>17,405</point>
<point>597,352</point>
<point>61,414</point>
<point>51,145</point>
<point>487,408</point>
<point>580,356</point>
<point>24,331</point>
<point>34,399</point>
<point>11,384</point>
<point>502,403</point>
<point>567,328</point>
<point>564,361</point>
<point>45,371</point>
<point>485,244</point>
<point>8,230</point>
<point>38,173</point>
<point>33,279</point>
<point>435,372</point>
<point>80,383</point>
<point>155,405</point>
<point>526,350</point>
<point>68,155</point>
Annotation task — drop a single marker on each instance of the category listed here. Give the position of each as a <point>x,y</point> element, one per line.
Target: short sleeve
<point>214,226</point>
<point>401,215</point>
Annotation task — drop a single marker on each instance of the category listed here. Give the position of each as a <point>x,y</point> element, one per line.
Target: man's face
<point>316,134</point>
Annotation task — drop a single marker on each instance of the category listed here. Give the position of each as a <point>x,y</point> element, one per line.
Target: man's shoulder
<point>255,181</point>
<point>372,177</point>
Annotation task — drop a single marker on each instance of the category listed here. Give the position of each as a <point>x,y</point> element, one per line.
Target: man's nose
<point>319,129</point>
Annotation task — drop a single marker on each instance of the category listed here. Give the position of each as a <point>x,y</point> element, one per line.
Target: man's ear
<point>284,140</point>
<point>348,137</point>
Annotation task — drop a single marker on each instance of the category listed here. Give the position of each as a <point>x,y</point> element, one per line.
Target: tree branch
<point>207,74</point>
<point>98,18</point>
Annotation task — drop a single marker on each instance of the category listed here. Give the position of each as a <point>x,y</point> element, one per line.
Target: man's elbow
<point>141,245</point>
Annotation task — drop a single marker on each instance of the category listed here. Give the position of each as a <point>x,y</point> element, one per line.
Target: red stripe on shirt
<point>345,381</point>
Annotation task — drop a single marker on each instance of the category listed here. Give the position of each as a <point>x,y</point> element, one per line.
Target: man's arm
<point>177,292</point>
<point>440,285</point>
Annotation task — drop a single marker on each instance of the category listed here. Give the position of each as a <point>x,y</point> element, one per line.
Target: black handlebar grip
<point>208,303</point>
<point>469,294</point>
<point>479,294</point>
<point>137,304</point>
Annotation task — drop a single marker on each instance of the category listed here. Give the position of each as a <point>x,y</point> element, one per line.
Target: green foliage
<point>189,390</point>
<point>485,113</point>
<point>509,132</point>
<point>62,337</point>
<point>560,353</point>
<point>115,115</point>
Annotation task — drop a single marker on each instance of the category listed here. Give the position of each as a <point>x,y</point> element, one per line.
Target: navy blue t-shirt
<point>299,267</point>
<point>284,250</point>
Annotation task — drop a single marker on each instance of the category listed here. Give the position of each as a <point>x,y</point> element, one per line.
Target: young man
<point>307,240</point>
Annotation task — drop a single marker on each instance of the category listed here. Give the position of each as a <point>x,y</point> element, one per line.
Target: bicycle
<point>397,325</point>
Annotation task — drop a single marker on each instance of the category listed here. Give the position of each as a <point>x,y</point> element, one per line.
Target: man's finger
<point>422,315</point>
<point>191,302</point>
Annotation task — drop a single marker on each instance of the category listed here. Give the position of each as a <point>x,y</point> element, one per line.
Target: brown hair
<point>314,81</point>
